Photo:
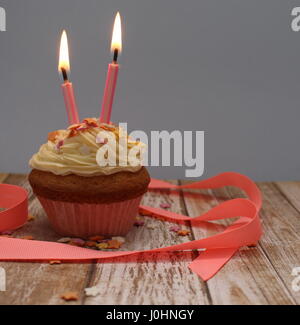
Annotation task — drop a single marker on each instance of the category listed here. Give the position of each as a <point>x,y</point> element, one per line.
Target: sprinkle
<point>59,144</point>
<point>2,209</point>
<point>54,262</point>
<point>107,127</point>
<point>139,223</point>
<point>101,140</point>
<point>70,296</point>
<point>114,244</point>
<point>52,136</point>
<point>7,232</point>
<point>77,242</point>
<point>150,227</point>
<point>96,238</point>
<point>90,122</point>
<point>27,237</point>
<point>75,126</point>
<point>90,243</point>
<point>165,205</point>
<point>175,228</point>
<point>84,150</point>
<point>102,245</point>
<point>64,240</point>
<point>30,218</point>
<point>92,291</point>
<point>82,128</point>
<point>119,238</point>
<point>72,133</point>
<point>183,232</point>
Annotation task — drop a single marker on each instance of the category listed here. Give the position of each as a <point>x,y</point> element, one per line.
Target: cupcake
<point>90,179</point>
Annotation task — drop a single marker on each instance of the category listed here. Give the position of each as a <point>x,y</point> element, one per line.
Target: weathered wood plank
<point>259,275</point>
<point>280,242</point>
<point>152,282</point>
<point>291,192</point>
<point>246,278</point>
<point>40,283</point>
<point>3,177</point>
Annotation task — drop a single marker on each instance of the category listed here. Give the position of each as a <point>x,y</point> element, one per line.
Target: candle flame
<point>64,61</point>
<point>116,42</point>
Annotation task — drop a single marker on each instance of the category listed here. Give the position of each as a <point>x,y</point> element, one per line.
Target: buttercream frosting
<point>76,150</point>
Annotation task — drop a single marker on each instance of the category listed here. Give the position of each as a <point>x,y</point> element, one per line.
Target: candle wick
<point>65,75</point>
<point>116,53</point>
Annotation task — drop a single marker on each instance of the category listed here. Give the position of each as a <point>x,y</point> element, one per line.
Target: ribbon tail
<point>209,262</point>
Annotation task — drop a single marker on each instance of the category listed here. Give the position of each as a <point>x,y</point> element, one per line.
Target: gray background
<point>230,68</point>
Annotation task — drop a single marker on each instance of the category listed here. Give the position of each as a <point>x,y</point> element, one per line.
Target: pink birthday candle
<point>112,73</point>
<point>67,87</point>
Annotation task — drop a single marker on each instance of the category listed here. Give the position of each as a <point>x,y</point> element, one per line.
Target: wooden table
<point>257,275</point>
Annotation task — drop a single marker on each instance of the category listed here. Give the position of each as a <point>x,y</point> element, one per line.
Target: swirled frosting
<point>76,150</point>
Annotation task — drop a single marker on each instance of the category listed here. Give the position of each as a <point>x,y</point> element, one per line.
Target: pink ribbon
<point>218,248</point>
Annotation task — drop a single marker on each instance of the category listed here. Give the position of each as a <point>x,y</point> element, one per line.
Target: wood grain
<point>246,278</point>
<point>280,241</point>
<point>258,275</point>
<point>157,281</point>
<point>3,177</point>
<point>36,283</point>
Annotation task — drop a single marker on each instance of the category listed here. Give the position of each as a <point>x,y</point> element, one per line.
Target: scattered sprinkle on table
<point>30,218</point>
<point>64,240</point>
<point>102,245</point>
<point>165,205</point>
<point>175,228</point>
<point>90,243</point>
<point>139,223</point>
<point>77,242</point>
<point>92,291</point>
<point>119,238</point>
<point>96,238</point>
<point>70,296</point>
<point>7,233</point>
<point>53,262</point>
<point>114,244</point>
<point>183,232</point>
<point>27,237</point>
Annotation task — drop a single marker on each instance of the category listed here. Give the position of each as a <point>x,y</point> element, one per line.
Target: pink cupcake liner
<point>85,220</point>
